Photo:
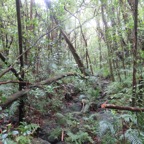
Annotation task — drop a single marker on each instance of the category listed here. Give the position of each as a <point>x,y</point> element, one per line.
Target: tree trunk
<point>134,84</point>
<point>21,85</point>
<point>75,55</point>
<point>107,43</point>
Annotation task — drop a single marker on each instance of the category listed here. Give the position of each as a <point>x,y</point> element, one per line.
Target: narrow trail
<point>76,112</point>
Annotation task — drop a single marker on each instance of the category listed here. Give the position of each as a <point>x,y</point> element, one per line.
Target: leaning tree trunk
<point>71,47</point>
<point>75,55</point>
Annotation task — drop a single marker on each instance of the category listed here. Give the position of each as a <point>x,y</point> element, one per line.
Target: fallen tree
<point>112,106</point>
<point>22,93</point>
<point>54,79</point>
<point>13,98</point>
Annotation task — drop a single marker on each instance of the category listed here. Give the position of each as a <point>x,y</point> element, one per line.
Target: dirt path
<point>77,113</point>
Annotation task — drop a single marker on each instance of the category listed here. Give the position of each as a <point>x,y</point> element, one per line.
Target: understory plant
<point>21,135</point>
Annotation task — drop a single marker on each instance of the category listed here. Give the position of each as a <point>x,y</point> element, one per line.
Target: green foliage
<point>49,55</point>
<point>93,93</point>
<point>37,93</point>
<point>78,138</point>
<point>23,140</point>
<point>46,97</point>
<point>114,87</point>
<point>130,118</point>
<point>133,136</point>
<point>13,108</point>
<point>104,127</point>
<point>55,134</point>
<point>27,129</point>
<point>109,130</point>
<point>9,141</point>
<point>20,136</point>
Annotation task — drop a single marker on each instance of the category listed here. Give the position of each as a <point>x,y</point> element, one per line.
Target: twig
<point>62,135</point>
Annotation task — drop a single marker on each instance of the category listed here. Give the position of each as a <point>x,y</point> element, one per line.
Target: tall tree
<point>134,6</point>
<point>21,60</point>
<point>106,40</point>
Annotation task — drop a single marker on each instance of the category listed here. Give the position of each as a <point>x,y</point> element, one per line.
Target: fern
<point>113,88</point>
<point>23,140</point>
<point>79,137</point>
<point>27,129</point>
<point>129,118</point>
<point>104,126</point>
<point>8,141</point>
<point>133,136</point>
<point>13,108</point>
<point>55,133</point>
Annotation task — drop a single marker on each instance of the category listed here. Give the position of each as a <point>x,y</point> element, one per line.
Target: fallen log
<point>19,94</point>
<point>112,106</point>
<point>7,82</point>
<point>56,78</point>
<point>14,97</point>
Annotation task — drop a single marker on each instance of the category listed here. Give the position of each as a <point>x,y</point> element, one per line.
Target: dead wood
<point>14,97</point>
<point>7,82</point>
<point>112,106</point>
<point>19,94</point>
<point>56,78</point>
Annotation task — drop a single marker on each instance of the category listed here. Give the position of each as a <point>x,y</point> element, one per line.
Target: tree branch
<point>14,97</point>
<point>7,82</point>
<point>112,106</point>
<point>19,94</point>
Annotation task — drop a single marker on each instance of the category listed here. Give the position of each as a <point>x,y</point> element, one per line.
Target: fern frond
<point>13,108</point>
<point>79,137</point>
<point>129,118</point>
<point>133,136</point>
<point>104,126</point>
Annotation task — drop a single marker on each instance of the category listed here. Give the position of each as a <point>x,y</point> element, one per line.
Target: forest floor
<point>68,115</point>
<point>75,120</point>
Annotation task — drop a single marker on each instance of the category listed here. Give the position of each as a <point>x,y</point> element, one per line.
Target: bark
<point>107,42</point>
<point>13,98</point>
<point>6,71</point>
<point>135,53</point>
<point>111,106</point>
<point>7,82</point>
<point>75,55</point>
<point>125,13</point>
<point>54,79</point>
<point>10,68</point>
<point>21,85</point>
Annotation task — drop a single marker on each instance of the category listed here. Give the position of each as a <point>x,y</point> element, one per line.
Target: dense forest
<point>71,72</point>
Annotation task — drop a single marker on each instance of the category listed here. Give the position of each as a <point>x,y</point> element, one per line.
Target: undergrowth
<point>106,127</point>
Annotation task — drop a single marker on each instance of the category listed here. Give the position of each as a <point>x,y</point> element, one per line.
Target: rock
<point>52,139</point>
<point>39,141</point>
<point>68,97</point>
<point>76,107</point>
<point>107,116</point>
<point>61,142</point>
<point>82,96</point>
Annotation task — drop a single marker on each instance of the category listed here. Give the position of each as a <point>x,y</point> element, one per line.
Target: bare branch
<point>112,106</point>
<point>7,82</point>
<point>6,71</point>
<point>19,94</point>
